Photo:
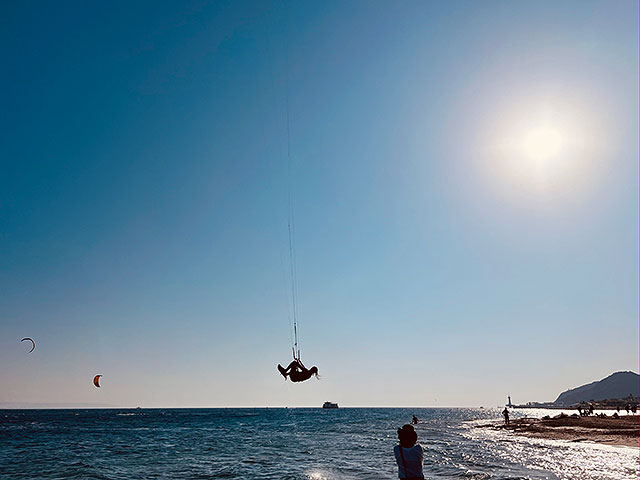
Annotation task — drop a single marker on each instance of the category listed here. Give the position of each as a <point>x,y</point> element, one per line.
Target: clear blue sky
<point>465,177</point>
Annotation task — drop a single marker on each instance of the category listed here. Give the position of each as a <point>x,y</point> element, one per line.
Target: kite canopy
<point>96,380</point>
<point>33,343</point>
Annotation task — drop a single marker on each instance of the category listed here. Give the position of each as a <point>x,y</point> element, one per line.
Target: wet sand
<point>611,431</point>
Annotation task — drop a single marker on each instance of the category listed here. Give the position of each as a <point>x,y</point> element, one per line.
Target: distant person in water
<point>297,372</point>
<point>414,420</point>
<point>505,414</point>
<point>409,454</point>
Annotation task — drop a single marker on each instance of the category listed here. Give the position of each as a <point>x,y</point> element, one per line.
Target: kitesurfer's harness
<point>404,465</point>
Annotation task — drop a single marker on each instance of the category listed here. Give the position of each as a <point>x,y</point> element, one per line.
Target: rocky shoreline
<point>624,430</point>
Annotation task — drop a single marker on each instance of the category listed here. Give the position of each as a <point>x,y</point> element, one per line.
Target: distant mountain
<point>616,385</point>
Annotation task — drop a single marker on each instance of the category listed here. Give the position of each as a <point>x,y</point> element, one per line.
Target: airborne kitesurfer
<point>297,372</point>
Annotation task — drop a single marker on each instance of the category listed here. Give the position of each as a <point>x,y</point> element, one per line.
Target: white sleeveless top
<point>413,459</point>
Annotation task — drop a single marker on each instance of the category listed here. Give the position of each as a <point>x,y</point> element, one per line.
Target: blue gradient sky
<point>143,201</point>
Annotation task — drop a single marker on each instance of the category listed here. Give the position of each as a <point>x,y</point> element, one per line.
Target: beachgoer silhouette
<point>409,454</point>
<point>505,414</point>
<point>414,420</point>
<point>297,372</point>
<point>626,407</point>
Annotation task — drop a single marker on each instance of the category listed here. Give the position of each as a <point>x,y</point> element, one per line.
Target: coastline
<point>622,431</point>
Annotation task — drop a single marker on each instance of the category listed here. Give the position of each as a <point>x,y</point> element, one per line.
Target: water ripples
<point>292,444</point>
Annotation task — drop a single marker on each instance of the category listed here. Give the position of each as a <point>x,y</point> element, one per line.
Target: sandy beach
<point>611,431</point>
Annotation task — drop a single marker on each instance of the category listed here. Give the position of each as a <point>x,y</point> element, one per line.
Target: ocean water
<point>306,444</point>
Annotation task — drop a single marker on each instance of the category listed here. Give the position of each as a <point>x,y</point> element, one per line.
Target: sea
<point>287,443</point>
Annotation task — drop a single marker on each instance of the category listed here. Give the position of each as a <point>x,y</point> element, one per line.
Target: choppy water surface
<point>285,444</point>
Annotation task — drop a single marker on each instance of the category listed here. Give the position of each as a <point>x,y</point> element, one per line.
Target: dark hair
<point>314,371</point>
<point>407,436</point>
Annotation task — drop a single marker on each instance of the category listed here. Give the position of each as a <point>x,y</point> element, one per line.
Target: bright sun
<point>542,144</point>
<point>538,153</point>
<point>542,151</point>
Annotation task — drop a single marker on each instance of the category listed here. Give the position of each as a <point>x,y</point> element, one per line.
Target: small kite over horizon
<point>33,343</point>
<point>96,380</point>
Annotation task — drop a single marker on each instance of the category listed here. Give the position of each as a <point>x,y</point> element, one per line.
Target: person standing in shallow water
<point>409,454</point>
<point>505,414</point>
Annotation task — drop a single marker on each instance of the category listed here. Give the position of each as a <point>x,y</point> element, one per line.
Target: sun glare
<point>542,143</point>
<point>543,151</point>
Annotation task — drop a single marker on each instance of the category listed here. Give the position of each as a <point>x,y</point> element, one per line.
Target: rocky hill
<point>616,385</point>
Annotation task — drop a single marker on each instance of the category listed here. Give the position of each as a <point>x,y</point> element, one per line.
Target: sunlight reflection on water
<point>567,460</point>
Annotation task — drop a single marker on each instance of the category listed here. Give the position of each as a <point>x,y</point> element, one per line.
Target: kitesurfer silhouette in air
<point>297,372</point>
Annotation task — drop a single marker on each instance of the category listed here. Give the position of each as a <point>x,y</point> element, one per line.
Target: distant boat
<point>329,405</point>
